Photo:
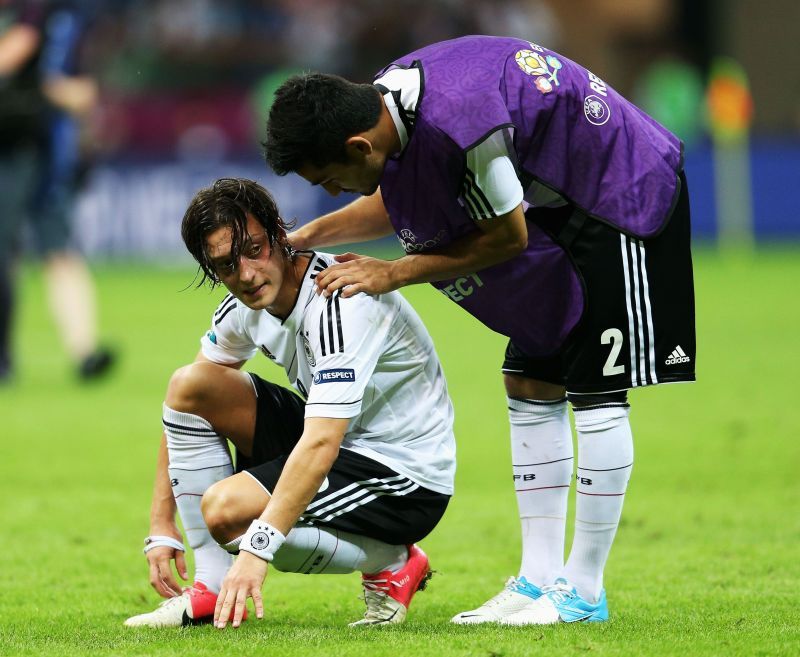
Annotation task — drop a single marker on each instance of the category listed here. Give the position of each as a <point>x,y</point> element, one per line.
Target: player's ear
<point>358,146</point>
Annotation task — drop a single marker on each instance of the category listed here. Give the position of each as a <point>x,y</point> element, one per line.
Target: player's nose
<point>246,269</point>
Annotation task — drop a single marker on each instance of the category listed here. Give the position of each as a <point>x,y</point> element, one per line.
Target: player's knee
<point>221,507</point>
<point>521,387</point>
<point>189,388</point>
<point>598,399</point>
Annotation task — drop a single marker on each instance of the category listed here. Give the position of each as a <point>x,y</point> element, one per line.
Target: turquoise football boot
<point>560,603</point>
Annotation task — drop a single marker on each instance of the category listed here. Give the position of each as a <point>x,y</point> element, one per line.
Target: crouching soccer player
<point>347,481</point>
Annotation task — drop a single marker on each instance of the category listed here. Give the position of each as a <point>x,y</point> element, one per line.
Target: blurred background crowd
<point>184,85</point>
<point>113,112</point>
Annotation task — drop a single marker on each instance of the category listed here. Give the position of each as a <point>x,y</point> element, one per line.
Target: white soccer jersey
<point>367,358</point>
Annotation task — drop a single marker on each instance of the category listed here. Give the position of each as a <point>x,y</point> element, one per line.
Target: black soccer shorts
<point>359,495</point>
<point>638,324</point>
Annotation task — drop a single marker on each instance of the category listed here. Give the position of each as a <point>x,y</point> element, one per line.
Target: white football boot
<point>194,607</point>
<point>518,595</point>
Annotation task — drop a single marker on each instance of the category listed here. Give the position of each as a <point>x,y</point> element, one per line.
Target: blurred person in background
<point>43,99</point>
<point>545,204</point>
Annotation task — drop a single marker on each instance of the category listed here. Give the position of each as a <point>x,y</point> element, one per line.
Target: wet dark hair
<point>226,203</point>
<point>312,117</point>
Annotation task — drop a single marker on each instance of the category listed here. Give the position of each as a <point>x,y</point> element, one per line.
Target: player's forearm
<point>363,220</point>
<point>162,508</point>
<point>302,476</point>
<point>466,255</point>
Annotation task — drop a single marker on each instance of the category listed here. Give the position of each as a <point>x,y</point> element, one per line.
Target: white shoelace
<point>165,606</point>
<point>376,596</point>
<point>509,589</point>
<point>559,593</point>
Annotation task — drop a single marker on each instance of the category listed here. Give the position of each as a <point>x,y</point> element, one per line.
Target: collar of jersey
<point>402,95</point>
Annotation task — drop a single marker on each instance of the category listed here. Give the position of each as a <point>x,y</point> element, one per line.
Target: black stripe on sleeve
<point>478,195</point>
<point>223,315</point>
<point>474,213</point>
<point>328,313</point>
<point>338,320</point>
<point>408,121</point>
<point>223,305</point>
<point>321,333</point>
<point>317,267</point>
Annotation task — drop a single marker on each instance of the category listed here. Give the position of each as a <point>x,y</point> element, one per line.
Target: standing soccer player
<point>541,201</point>
<point>43,100</point>
<point>347,481</point>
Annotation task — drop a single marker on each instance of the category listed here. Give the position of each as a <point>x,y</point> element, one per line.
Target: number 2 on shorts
<point>613,337</point>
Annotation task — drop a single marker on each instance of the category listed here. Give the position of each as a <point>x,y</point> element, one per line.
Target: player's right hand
<point>162,578</point>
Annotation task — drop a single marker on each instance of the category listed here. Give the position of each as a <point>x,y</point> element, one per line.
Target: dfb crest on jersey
<point>309,352</point>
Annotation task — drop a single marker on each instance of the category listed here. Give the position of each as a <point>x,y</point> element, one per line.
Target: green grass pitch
<point>705,562</point>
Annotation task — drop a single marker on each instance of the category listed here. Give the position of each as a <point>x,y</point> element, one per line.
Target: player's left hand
<point>356,273</point>
<point>244,580</point>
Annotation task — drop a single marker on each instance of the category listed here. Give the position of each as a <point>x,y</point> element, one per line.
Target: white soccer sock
<point>541,453</point>
<point>316,551</point>
<point>198,457</point>
<point>605,460</point>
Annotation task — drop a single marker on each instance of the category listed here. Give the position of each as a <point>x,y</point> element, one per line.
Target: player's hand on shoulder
<point>355,273</point>
<point>162,578</point>
<point>244,580</point>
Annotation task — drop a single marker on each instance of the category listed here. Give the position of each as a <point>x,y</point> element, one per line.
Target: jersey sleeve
<point>347,337</point>
<point>227,342</point>
<point>490,187</point>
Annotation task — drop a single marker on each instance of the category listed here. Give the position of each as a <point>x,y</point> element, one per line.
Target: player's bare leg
<point>542,453</point>
<point>71,295</point>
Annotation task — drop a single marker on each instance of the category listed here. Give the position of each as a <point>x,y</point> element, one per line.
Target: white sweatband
<point>262,540</point>
<point>233,546</point>
<point>162,541</point>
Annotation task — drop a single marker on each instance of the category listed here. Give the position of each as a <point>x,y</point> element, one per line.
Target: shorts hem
<point>595,389</point>
<point>259,482</point>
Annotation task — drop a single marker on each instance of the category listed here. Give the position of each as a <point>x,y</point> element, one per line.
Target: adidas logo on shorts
<point>677,356</point>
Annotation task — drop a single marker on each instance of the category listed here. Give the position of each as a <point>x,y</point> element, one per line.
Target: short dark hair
<point>312,117</point>
<point>226,203</point>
